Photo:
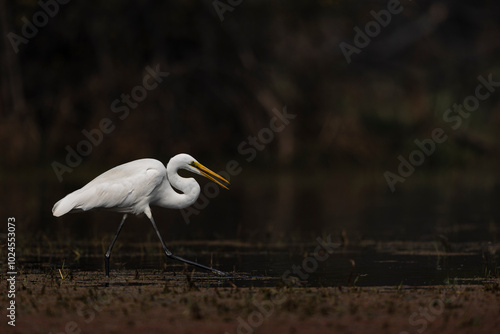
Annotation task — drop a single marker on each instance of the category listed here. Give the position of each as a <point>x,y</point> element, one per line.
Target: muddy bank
<point>149,302</point>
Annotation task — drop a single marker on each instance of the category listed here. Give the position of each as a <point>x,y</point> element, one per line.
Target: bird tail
<point>64,205</point>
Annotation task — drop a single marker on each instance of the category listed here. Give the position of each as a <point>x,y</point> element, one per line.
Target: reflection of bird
<point>132,187</point>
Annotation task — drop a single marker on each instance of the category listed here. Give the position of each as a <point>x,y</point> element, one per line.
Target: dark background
<point>324,173</point>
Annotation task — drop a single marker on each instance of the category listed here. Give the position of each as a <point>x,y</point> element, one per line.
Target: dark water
<point>296,266</point>
<point>442,229</point>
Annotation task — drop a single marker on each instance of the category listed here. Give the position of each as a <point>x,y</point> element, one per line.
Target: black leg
<point>175,257</point>
<point>108,253</point>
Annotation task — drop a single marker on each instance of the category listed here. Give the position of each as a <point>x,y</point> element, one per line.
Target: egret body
<point>132,187</point>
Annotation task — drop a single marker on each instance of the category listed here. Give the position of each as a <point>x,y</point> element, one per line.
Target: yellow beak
<point>209,174</point>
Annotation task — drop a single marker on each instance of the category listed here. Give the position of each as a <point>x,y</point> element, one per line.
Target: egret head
<point>189,163</point>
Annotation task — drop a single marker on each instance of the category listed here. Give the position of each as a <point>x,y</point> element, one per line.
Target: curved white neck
<point>188,186</point>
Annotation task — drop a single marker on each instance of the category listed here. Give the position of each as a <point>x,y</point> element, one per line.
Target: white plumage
<point>134,186</point>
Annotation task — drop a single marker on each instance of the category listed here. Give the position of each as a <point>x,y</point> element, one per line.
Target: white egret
<point>132,187</point>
